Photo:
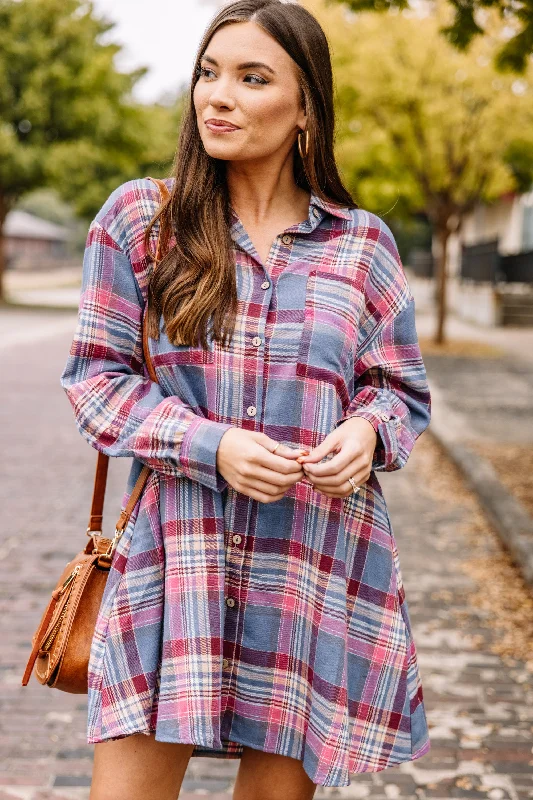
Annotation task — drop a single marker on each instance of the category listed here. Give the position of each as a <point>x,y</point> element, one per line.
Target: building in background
<point>34,243</point>
<point>489,263</point>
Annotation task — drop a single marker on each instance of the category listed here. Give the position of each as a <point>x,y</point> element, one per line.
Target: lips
<point>222,124</point>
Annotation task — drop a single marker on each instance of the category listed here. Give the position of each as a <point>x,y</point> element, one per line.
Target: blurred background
<point>434,105</point>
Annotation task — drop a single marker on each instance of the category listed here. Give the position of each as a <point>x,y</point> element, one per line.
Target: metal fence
<point>483,262</point>
<point>421,263</point>
<point>517,268</point>
<point>480,262</point>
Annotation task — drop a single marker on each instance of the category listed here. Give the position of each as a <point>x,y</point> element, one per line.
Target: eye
<point>202,72</point>
<point>259,78</point>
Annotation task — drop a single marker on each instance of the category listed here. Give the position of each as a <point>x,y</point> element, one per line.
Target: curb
<point>508,516</point>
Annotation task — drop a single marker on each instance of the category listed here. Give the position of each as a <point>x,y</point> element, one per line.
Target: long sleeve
<point>390,382</point>
<point>119,410</point>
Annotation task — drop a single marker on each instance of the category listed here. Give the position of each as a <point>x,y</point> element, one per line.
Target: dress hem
<point>210,751</point>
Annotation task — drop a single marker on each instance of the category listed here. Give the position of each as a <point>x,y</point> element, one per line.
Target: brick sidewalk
<point>513,340</point>
<point>482,411</point>
<point>480,704</point>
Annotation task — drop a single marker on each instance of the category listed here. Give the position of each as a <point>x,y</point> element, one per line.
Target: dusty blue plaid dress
<point>225,621</point>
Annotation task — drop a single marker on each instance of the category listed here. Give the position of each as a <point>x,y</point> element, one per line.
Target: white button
<point>230,602</point>
<point>316,212</point>
<point>286,239</point>
<point>236,538</point>
<point>225,662</point>
<point>265,285</point>
<point>383,416</point>
<point>256,341</point>
<point>251,411</point>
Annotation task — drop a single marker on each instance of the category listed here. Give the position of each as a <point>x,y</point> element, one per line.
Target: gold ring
<point>276,447</point>
<point>353,485</point>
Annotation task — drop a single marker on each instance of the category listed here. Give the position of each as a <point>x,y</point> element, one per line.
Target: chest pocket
<point>329,338</point>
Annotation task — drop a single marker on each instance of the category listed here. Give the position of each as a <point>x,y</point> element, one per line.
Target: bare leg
<point>137,767</point>
<point>269,776</point>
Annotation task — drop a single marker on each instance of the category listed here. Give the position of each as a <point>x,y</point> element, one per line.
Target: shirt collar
<point>314,218</point>
<point>343,212</point>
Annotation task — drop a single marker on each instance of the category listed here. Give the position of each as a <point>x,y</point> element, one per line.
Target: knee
<point>270,776</point>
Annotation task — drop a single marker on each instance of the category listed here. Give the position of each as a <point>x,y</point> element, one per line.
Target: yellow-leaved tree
<point>423,126</point>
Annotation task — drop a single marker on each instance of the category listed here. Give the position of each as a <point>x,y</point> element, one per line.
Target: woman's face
<point>262,99</point>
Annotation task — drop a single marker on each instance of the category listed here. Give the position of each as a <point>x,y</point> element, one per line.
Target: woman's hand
<point>246,461</point>
<point>353,442</point>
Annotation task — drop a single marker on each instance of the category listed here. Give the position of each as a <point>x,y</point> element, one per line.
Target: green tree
<point>423,127</point>
<point>471,20</point>
<point>67,117</point>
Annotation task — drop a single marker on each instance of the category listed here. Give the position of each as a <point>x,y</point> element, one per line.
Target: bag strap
<point>102,462</point>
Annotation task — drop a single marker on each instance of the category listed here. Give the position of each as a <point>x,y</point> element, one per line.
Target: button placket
<point>235,557</point>
<point>256,341</point>
<point>235,550</point>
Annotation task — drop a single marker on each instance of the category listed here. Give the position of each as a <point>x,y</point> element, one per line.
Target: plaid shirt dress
<point>225,621</point>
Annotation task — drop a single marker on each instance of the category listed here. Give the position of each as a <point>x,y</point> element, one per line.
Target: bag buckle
<point>116,537</point>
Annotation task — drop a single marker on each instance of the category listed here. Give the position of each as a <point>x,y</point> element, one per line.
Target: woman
<point>254,607</point>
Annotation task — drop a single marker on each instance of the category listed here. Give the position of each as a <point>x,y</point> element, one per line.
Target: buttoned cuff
<point>385,423</point>
<point>198,452</point>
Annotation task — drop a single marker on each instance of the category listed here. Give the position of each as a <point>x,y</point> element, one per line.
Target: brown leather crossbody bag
<point>62,642</point>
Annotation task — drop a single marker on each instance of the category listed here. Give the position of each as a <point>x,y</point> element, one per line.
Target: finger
<point>288,452</point>
<point>275,462</point>
<point>344,462</point>
<point>262,497</point>
<point>255,488</point>
<point>327,446</point>
<point>259,490</point>
<point>275,447</point>
<point>254,473</point>
<point>344,490</point>
<point>332,466</point>
<point>340,482</point>
<point>360,472</point>
<point>266,488</point>
<point>291,452</point>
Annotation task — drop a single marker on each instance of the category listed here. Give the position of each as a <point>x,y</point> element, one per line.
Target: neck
<point>261,190</point>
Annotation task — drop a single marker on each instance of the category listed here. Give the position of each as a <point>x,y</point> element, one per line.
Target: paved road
<point>480,704</point>
<point>492,394</point>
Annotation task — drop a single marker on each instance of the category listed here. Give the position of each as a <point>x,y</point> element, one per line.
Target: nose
<point>222,94</point>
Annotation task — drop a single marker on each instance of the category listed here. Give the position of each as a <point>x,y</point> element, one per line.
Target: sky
<point>160,34</point>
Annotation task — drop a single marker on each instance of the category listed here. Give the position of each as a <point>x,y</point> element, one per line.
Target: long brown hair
<point>196,278</point>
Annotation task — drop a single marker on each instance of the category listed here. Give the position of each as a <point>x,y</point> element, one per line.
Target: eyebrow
<point>245,65</point>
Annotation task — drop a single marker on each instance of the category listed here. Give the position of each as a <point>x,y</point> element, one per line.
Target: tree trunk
<point>441,286</point>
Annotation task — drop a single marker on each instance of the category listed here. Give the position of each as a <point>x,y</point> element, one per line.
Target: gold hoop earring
<point>303,155</point>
